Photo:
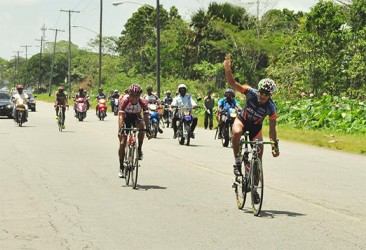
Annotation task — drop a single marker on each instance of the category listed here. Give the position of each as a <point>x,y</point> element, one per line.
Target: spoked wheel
<point>187,128</point>
<point>257,186</point>
<point>59,122</point>
<point>135,168</point>
<point>127,169</point>
<point>240,191</point>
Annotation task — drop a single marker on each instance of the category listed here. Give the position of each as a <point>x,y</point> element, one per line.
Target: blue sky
<point>21,20</point>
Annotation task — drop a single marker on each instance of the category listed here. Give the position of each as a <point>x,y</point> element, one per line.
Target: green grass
<point>354,143</point>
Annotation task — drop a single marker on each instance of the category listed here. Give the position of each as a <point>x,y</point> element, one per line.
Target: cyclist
<point>100,95</point>
<point>223,106</point>
<point>17,96</point>
<point>129,114</point>
<point>61,99</point>
<point>183,100</point>
<point>258,105</point>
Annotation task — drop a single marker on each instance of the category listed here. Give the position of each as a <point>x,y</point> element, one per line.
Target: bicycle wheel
<point>128,165</point>
<point>257,186</point>
<point>134,168</point>
<point>240,191</point>
<point>60,118</point>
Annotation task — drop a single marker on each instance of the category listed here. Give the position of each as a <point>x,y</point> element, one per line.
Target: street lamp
<point>157,39</point>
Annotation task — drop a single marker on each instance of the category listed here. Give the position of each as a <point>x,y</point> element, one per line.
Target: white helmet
<point>182,86</point>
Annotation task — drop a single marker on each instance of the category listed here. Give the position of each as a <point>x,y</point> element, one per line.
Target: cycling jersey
<point>61,98</point>
<point>253,112</point>
<point>128,109</point>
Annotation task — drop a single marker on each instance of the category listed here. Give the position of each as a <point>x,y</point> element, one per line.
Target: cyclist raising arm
<point>61,100</point>
<point>258,105</point>
<point>129,114</point>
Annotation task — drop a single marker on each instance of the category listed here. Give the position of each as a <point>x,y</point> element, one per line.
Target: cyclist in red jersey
<point>129,115</point>
<point>258,105</point>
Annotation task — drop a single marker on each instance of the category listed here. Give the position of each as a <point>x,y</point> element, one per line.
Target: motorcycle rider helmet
<point>229,92</point>
<point>168,92</point>
<point>182,86</point>
<point>61,89</point>
<point>20,86</point>
<point>81,89</point>
<point>100,89</point>
<point>135,90</point>
<point>149,87</point>
<point>267,86</point>
<point>116,91</point>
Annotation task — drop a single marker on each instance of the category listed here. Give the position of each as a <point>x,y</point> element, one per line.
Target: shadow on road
<point>274,213</point>
<point>148,187</point>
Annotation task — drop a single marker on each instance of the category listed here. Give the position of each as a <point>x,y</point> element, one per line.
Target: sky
<point>21,20</point>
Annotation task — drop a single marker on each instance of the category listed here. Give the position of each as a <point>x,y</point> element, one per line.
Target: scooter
<point>20,112</point>
<point>115,106</point>
<point>154,119</point>
<point>102,109</point>
<point>80,108</point>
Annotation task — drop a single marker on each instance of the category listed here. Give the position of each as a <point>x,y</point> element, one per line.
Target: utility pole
<point>26,63</point>
<point>53,60</point>
<point>100,44</point>
<point>17,67</point>
<point>40,62</point>
<point>69,67</point>
<point>158,47</point>
<point>15,70</point>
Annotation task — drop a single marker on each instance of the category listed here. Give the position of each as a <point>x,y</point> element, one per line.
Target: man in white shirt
<point>183,100</point>
<point>24,97</point>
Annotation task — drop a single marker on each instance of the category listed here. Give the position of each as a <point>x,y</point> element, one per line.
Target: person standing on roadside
<point>209,103</point>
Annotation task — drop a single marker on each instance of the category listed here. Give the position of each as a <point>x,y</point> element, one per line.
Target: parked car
<point>6,106</point>
<point>31,101</point>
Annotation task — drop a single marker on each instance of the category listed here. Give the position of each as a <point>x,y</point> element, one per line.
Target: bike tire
<point>240,192</point>
<point>20,119</point>
<point>187,128</point>
<point>59,122</point>
<point>257,183</point>
<point>226,138</point>
<point>135,168</point>
<point>128,166</point>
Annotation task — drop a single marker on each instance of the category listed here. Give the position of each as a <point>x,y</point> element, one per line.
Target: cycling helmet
<point>135,89</point>
<point>182,86</point>
<point>267,85</point>
<point>149,87</point>
<point>229,91</point>
<point>20,86</point>
<point>61,88</point>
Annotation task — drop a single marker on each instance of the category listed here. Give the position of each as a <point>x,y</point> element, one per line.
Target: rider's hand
<point>227,63</point>
<point>275,150</point>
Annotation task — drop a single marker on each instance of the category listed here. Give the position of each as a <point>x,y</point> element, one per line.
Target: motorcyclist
<point>24,97</point>
<point>167,102</point>
<point>152,98</point>
<point>61,99</point>
<point>129,114</point>
<point>114,95</point>
<point>81,94</point>
<point>223,107</point>
<point>100,95</point>
<point>183,100</point>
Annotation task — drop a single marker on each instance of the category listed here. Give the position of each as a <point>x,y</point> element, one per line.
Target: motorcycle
<point>184,125</point>
<point>80,108</point>
<point>154,119</point>
<point>102,109</point>
<point>20,112</point>
<point>115,103</point>
<point>226,131</point>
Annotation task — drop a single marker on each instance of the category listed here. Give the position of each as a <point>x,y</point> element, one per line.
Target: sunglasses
<point>265,93</point>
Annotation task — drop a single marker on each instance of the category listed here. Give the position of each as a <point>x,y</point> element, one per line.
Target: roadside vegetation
<point>317,60</point>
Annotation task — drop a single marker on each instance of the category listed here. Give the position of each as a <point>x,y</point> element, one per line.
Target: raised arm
<point>229,76</point>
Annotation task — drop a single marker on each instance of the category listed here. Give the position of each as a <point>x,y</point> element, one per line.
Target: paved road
<point>61,191</point>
